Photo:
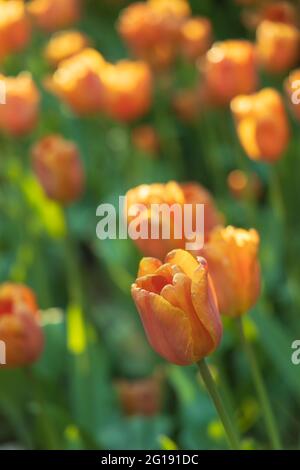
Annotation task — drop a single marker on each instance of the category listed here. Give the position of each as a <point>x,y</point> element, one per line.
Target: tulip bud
<point>77,81</point>
<point>178,308</point>
<point>57,165</point>
<point>195,37</point>
<point>15,30</point>
<point>229,69</point>
<point>292,88</point>
<point>19,114</point>
<point>146,139</point>
<point>128,89</point>
<point>277,45</point>
<point>51,15</point>
<point>169,194</point>
<point>262,124</point>
<point>64,45</point>
<point>19,325</point>
<point>233,265</point>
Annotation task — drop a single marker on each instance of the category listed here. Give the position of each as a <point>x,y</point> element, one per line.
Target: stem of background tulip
<point>260,389</point>
<point>219,405</point>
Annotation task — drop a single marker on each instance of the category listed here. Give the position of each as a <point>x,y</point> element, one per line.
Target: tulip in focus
<point>229,69</point>
<point>278,46</point>
<point>15,30</point>
<point>77,81</point>
<point>57,165</point>
<point>146,139</point>
<point>195,37</point>
<point>51,15</point>
<point>178,308</point>
<point>128,89</point>
<point>169,194</point>
<point>232,257</point>
<point>292,88</point>
<point>20,113</point>
<point>64,45</point>
<point>19,325</point>
<point>262,124</point>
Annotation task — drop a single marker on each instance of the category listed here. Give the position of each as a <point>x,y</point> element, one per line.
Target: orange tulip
<point>233,265</point>
<point>229,69</point>
<point>292,88</point>
<point>77,81</point>
<point>64,45</point>
<point>151,29</point>
<point>178,308</point>
<point>277,45</point>
<point>15,30</point>
<point>195,37</point>
<point>128,89</point>
<point>186,104</point>
<point>19,325</point>
<point>169,194</point>
<point>262,124</point>
<point>243,186</point>
<point>51,15</point>
<point>146,139</point>
<point>57,165</point>
<point>19,114</point>
<point>141,397</point>
<point>280,12</point>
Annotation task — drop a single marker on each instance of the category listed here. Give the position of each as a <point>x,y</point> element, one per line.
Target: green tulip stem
<point>219,405</point>
<point>260,389</point>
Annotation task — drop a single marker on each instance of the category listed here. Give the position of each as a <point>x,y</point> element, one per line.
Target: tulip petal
<point>184,260</point>
<point>148,266</point>
<point>168,328</point>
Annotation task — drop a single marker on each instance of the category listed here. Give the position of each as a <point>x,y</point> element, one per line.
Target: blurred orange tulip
<point>57,165</point>
<point>186,104</point>
<point>243,186</point>
<point>233,265</point>
<point>51,15</point>
<point>169,194</point>
<point>195,37</point>
<point>19,114</point>
<point>19,325</point>
<point>281,12</point>
<point>277,46</point>
<point>262,124</point>
<point>146,139</point>
<point>151,29</point>
<point>141,397</point>
<point>178,308</point>
<point>229,69</point>
<point>77,81</point>
<point>128,89</point>
<point>15,29</point>
<point>292,88</point>
<point>64,45</point>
